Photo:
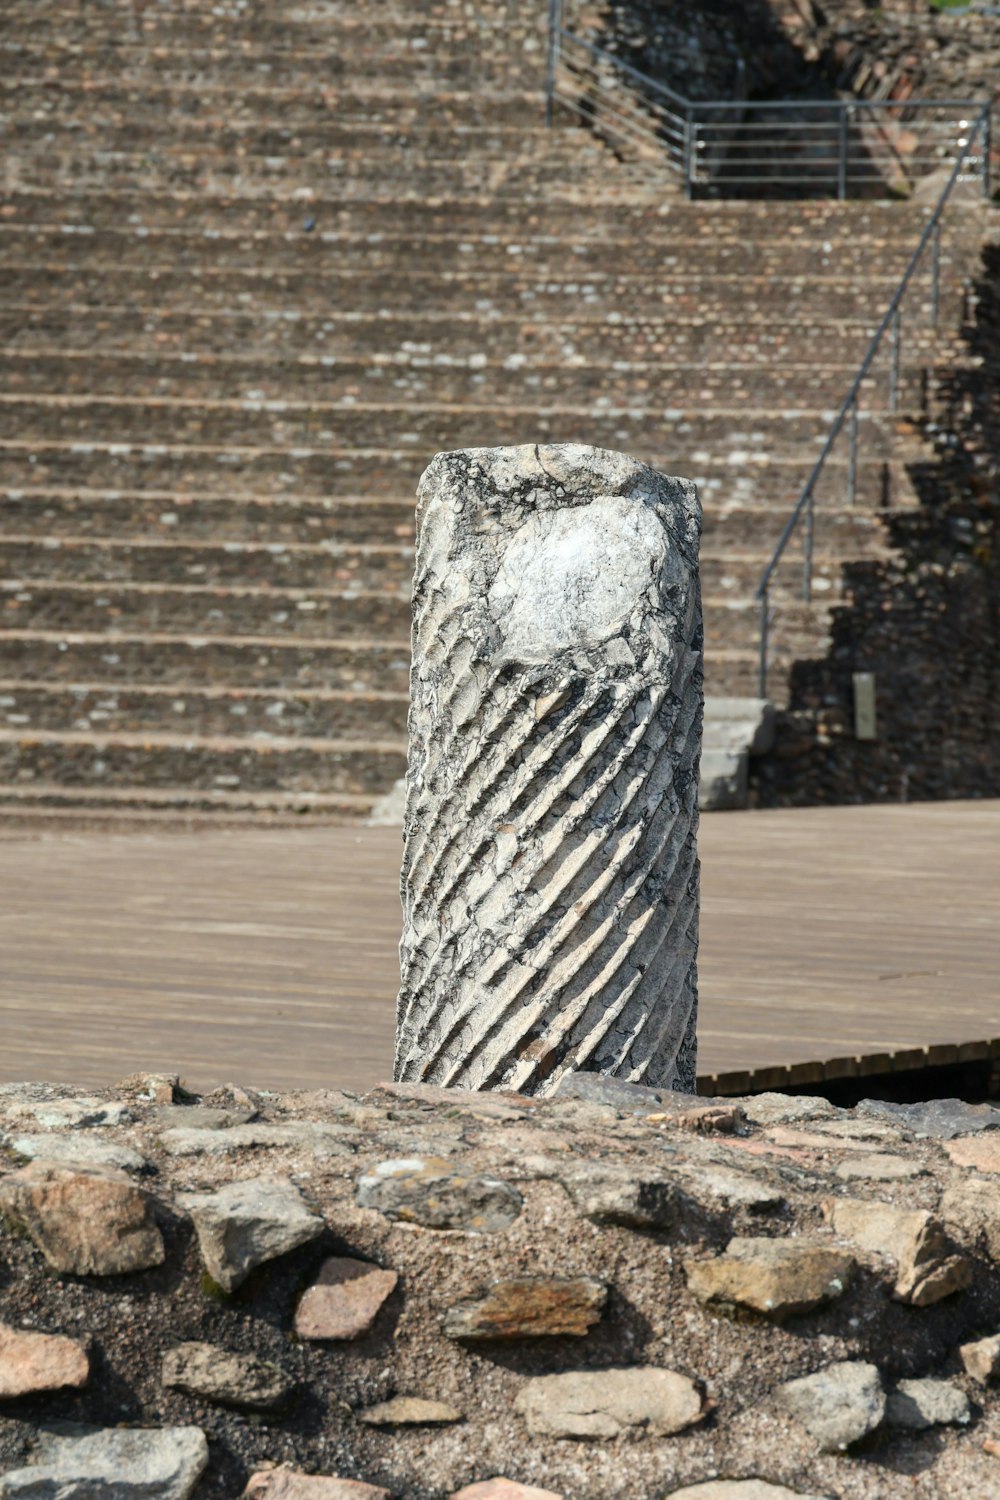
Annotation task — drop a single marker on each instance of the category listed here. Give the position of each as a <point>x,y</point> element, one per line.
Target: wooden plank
<point>269,956</point>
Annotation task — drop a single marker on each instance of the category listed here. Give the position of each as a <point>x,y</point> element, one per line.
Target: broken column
<point>550,871</point>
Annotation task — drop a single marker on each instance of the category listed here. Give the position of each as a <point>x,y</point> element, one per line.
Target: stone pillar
<point>550,870</point>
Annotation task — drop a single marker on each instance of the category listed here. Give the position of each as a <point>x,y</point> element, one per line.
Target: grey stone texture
<point>244,1224</point>
<point>87,1221</point>
<point>222,1375</point>
<point>838,1405</point>
<point>439,1194</point>
<point>739,1489</point>
<point>138,1463</point>
<point>604,1403</point>
<point>550,873</point>
<point>917,1404</point>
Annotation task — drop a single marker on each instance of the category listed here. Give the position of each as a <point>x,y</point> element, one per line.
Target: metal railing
<point>804,511</point>
<point>830,146</point>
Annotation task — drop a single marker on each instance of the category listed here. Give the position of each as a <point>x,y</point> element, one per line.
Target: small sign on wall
<point>865,726</point>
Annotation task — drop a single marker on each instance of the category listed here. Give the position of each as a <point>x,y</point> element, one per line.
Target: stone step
<point>86,758</point>
<point>296,565</point>
<point>104,99</point>
<point>752,474</point>
<point>234,12</point>
<point>345,42</point>
<point>270,520</point>
<point>570,174</point>
<point>553,256</point>
<point>218,710</point>
<point>181,665</point>
<point>439,340</point>
<point>328,380</point>
<point>304,615</point>
<point>726,570</point>
<point>249,211</point>
<point>195,663</point>
<point>55,808</point>
<point>564,298</point>
<point>349,144</point>
<point>642,427</point>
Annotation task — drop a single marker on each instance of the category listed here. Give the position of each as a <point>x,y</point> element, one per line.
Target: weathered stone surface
<point>981,1358</point>
<point>610,1195</point>
<point>80,1149</point>
<point>928,1266</point>
<point>244,1224</point>
<point>775,1277</point>
<point>75,1114</point>
<point>88,1221</point>
<point>503,1489</point>
<point>161,1088</point>
<point>201,1117</point>
<point>979,1151</point>
<point>935,1119</point>
<point>838,1405</point>
<point>530,1307</point>
<point>879,1169</point>
<point>409,1411</point>
<point>689,1111</point>
<point>783,1109</point>
<point>221,1375</point>
<point>439,1194</point>
<point>287,1484</point>
<point>916,1404</point>
<point>556,595</point>
<point>324,1140</point>
<point>740,1489</point>
<point>719,1187</point>
<point>604,1403</point>
<point>344,1300</point>
<point>39,1362</point>
<point>972,1205</point>
<point>119,1463</point>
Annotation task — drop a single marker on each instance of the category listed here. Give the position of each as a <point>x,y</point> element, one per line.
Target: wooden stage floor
<point>268,957</point>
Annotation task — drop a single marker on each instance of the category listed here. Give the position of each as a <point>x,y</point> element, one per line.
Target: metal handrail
<point>805,506</point>
<point>697,141</point>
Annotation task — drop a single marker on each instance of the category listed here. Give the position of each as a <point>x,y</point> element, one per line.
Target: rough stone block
<point>88,1221</point>
<point>530,1307</point>
<point>244,1224</point>
<point>39,1362</point>
<point>838,1405</point>
<point>344,1300</point>
<point>605,1403</point>
<point>777,1277</point>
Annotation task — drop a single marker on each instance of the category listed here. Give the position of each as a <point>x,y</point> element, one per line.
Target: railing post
<point>852,454</point>
<point>987,134</point>
<point>842,153</point>
<point>689,152</point>
<point>935,272</point>
<point>894,361</point>
<point>807,550</point>
<point>762,664</point>
<point>555,30</point>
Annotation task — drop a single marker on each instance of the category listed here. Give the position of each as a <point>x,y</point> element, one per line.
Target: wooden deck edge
<point>871,1065</point>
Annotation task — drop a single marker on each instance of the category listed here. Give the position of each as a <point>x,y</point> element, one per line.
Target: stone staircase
<point>257,269</point>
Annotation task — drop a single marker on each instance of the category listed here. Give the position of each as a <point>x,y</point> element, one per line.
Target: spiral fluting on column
<point>550,873</point>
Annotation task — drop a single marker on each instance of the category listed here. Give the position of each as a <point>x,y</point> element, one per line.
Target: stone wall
<point>607,1293</point>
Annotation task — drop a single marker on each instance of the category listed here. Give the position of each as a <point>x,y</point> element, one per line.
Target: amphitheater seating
<point>259,263</point>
